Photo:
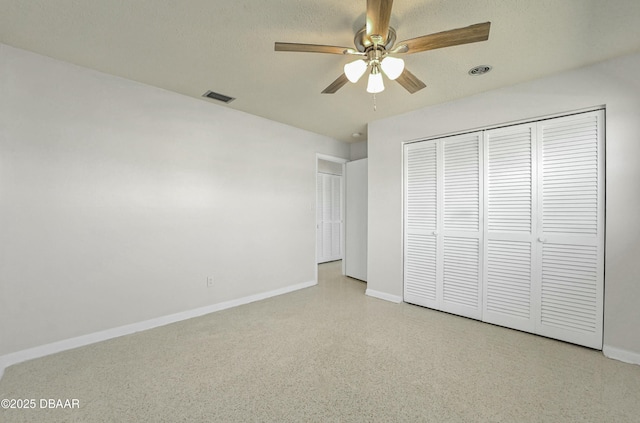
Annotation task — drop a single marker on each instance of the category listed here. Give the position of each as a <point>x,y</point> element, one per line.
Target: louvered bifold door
<point>336,217</point>
<point>509,237</point>
<point>327,224</point>
<point>420,221</point>
<point>319,218</point>
<point>570,233</point>
<point>329,218</point>
<point>459,225</point>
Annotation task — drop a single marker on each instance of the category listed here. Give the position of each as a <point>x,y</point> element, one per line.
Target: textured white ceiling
<point>191,46</point>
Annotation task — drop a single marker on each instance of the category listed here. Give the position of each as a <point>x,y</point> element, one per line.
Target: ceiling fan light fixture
<point>375,85</point>
<point>377,40</point>
<point>392,67</point>
<point>355,70</point>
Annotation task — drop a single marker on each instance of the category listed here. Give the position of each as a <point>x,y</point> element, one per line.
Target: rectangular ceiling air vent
<point>217,96</point>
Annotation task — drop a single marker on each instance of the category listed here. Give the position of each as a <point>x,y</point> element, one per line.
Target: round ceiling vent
<point>480,70</point>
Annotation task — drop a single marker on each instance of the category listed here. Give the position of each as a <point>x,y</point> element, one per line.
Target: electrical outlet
<point>209,281</point>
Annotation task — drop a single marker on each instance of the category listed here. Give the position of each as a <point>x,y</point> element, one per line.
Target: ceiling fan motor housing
<point>363,42</point>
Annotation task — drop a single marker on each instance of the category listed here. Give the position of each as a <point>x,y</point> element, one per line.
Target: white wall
<point>358,150</point>
<point>117,200</point>
<point>355,245</point>
<point>614,84</point>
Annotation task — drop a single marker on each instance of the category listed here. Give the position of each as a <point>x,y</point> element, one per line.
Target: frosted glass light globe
<point>355,70</point>
<point>392,67</point>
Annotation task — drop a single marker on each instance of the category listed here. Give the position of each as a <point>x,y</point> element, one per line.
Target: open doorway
<point>330,186</point>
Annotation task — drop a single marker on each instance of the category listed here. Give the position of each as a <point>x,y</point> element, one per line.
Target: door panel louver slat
<point>420,266</point>
<point>509,180</point>
<point>460,282</point>
<point>509,278</point>
<point>561,160</point>
<point>421,188</point>
<point>461,183</point>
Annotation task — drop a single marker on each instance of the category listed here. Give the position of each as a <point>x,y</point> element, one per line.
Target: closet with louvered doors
<point>442,224</point>
<point>540,226</point>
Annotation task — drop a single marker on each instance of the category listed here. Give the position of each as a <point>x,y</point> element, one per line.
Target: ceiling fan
<point>376,44</point>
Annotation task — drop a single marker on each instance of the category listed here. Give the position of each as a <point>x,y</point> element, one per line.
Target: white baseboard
<point>80,341</point>
<point>621,355</point>
<point>383,296</point>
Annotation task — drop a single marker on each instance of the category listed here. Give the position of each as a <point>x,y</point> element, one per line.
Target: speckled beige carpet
<point>327,354</point>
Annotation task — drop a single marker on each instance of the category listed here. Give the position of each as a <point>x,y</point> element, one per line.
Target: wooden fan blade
<point>336,85</point>
<point>410,82</point>
<point>453,37</point>
<point>311,48</point>
<point>378,15</point>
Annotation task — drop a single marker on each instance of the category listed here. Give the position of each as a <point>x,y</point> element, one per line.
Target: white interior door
<point>329,217</point>
<point>571,228</point>
<point>355,254</point>
<point>461,219</point>
<point>421,224</point>
<point>509,243</point>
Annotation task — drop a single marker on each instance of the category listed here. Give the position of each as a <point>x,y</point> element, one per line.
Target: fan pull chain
<point>375,107</point>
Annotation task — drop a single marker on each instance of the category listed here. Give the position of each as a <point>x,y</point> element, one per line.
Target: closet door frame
<point>342,162</point>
